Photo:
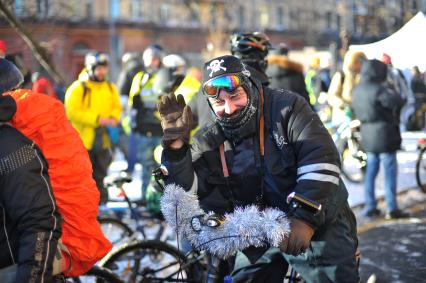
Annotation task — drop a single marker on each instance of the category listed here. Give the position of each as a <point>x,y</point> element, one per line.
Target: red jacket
<point>42,119</point>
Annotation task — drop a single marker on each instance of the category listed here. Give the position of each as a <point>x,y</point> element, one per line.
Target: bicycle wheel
<point>353,162</point>
<point>152,261</point>
<point>97,275</point>
<point>421,170</point>
<point>115,230</point>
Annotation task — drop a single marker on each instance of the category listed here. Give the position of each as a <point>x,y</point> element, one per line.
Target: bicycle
<point>118,231</point>
<point>347,138</point>
<point>421,165</point>
<point>221,238</point>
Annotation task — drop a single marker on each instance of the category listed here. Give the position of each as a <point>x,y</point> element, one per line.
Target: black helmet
<point>252,48</point>
<point>10,76</point>
<point>248,43</point>
<point>94,59</point>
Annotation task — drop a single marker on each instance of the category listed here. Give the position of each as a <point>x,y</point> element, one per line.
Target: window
<point>328,19</point>
<point>136,9</point>
<point>42,8</point>
<point>89,9</point>
<point>414,6</point>
<point>114,9</point>
<point>18,7</point>
<point>264,17</point>
<point>241,16</point>
<point>81,48</point>
<point>280,16</point>
<point>164,13</point>
<point>213,16</point>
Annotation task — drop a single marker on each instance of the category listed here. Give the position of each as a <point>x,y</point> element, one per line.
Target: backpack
<point>70,173</point>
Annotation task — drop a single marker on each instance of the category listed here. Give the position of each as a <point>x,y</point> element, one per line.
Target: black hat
<point>10,76</point>
<point>223,65</point>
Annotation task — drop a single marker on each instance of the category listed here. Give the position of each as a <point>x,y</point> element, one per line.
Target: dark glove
<point>299,239</point>
<point>176,119</point>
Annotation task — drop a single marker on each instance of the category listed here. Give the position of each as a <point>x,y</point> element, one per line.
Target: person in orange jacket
<point>42,119</point>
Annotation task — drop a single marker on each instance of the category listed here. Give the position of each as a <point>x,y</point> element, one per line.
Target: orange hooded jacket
<point>42,119</point>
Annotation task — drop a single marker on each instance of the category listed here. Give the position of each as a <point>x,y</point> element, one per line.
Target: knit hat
<point>223,65</point>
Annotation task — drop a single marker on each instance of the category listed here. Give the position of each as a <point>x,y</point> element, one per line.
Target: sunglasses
<point>229,83</point>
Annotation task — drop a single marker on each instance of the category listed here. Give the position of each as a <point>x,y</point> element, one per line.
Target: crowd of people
<point>243,129</point>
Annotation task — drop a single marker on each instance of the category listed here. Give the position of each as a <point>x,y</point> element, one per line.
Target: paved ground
<point>394,251</point>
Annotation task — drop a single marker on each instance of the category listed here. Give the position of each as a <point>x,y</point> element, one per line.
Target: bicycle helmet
<point>151,52</point>
<point>252,48</point>
<point>10,76</point>
<point>247,43</point>
<point>174,61</point>
<point>94,59</point>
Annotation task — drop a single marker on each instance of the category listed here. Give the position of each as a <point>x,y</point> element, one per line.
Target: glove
<point>176,119</point>
<point>299,239</point>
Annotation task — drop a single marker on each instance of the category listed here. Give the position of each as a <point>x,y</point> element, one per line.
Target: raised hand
<point>176,119</point>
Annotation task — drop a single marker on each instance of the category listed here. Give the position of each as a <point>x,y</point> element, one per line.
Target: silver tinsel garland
<point>245,227</point>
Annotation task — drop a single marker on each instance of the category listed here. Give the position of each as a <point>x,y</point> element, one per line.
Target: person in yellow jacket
<point>93,106</point>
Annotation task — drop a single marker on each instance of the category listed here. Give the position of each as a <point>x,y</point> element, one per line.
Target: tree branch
<point>38,51</point>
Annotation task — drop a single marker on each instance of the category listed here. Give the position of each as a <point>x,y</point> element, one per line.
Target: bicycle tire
<point>114,226</point>
<point>421,170</point>
<point>352,176</point>
<point>99,275</point>
<point>129,263</point>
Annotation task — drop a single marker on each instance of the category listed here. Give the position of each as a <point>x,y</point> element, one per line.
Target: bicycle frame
<point>136,214</point>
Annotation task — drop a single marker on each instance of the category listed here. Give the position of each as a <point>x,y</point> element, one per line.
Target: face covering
<point>242,125</point>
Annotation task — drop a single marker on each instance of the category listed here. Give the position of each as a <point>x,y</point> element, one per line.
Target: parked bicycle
<point>146,222</point>
<point>347,137</point>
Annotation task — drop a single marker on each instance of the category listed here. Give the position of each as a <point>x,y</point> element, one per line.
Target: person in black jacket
<point>377,108</point>
<point>285,73</point>
<point>132,64</point>
<point>28,213</point>
<point>263,145</point>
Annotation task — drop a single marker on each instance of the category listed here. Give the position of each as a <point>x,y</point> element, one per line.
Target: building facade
<point>70,28</point>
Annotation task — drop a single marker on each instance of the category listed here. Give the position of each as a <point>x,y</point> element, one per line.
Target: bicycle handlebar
<point>222,236</point>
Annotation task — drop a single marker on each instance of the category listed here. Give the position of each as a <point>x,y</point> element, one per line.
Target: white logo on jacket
<point>279,140</point>
<point>215,66</point>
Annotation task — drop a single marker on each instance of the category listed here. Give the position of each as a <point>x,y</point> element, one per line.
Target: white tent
<point>407,46</point>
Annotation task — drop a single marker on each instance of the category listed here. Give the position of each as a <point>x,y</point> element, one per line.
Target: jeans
<point>144,147</point>
<point>390,166</point>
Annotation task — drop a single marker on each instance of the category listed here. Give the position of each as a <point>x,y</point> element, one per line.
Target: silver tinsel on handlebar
<point>245,227</point>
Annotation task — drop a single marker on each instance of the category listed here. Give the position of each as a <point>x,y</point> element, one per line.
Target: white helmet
<point>174,61</point>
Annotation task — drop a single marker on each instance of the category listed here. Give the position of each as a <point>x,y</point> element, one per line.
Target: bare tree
<point>39,52</point>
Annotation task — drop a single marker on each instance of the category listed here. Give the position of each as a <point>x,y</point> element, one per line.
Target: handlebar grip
<point>299,200</point>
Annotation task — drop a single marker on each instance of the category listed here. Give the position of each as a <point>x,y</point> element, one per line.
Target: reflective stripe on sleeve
<point>318,167</point>
<point>319,177</point>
